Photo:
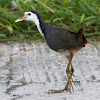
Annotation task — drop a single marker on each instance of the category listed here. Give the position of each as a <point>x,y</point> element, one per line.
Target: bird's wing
<point>66,38</point>
<point>65,34</point>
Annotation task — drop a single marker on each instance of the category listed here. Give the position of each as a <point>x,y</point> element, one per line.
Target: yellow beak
<point>20,19</point>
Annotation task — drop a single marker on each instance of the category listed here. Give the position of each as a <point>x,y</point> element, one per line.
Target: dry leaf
<point>13,54</point>
<point>30,48</point>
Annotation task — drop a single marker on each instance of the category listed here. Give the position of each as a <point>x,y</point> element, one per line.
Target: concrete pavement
<point>28,74</point>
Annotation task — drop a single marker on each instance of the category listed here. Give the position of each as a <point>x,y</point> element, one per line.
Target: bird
<point>61,40</point>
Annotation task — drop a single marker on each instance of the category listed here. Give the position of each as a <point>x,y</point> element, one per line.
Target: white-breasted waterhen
<point>59,39</point>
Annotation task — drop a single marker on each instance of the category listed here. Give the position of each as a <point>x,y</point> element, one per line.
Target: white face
<point>31,17</point>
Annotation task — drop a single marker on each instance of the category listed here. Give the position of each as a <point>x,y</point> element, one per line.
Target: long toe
<point>57,91</point>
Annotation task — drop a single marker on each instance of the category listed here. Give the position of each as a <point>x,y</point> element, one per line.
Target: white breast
<point>36,21</point>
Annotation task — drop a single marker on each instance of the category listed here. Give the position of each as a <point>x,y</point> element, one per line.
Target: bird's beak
<point>20,19</point>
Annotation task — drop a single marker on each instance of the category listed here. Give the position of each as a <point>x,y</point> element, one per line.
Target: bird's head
<point>29,15</point>
<point>32,15</point>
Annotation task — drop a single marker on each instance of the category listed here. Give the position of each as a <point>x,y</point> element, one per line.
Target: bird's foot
<point>57,91</point>
<point>69,85</point>
<point>67,88</point>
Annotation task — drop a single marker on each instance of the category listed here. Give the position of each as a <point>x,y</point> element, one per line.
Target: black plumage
<point>60,38</point>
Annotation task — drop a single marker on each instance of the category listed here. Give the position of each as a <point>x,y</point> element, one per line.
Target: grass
<point>71,14</point>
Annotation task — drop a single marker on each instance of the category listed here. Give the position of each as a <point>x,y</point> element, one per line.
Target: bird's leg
<point>72,70</point>
<point>69,72</point>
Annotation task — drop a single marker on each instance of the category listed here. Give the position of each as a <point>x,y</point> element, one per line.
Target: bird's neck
<point>37,23</point>
<point>41,25</point>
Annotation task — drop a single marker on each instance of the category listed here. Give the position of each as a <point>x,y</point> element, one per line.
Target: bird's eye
<point>29,14</point>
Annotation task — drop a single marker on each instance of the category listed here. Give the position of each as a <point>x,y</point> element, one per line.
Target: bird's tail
<point>80,36</point>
